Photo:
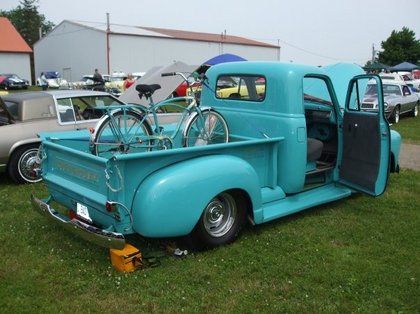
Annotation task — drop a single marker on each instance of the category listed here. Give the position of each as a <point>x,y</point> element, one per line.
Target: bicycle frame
<point>153,109</point>
<point>158,138</point>
<point>137,128</point>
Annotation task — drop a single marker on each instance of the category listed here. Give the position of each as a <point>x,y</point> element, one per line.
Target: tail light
<point>72,214</point>
<point>110,206</point>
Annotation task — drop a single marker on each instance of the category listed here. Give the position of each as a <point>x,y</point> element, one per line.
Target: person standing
<point>97,77</point>
<point>43,81</point>
<point>98,81</point>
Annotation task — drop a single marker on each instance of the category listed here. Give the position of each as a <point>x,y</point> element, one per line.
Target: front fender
<point>170,201</point>
<point>395,150</point>
<point>28,141</point>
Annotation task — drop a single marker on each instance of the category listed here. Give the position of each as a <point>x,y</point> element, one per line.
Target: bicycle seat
<point>147,90</point>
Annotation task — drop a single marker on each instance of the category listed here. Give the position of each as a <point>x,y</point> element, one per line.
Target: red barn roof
<point>10,39</point>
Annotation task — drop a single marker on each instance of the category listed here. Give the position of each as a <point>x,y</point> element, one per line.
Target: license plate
<point>83,212</point>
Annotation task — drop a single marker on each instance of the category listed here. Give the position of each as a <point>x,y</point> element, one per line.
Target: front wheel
<point>23,164</point>
<point>395,118</point>
<point>205,128</point>
<point>123,131</point>
<point>220,222</point>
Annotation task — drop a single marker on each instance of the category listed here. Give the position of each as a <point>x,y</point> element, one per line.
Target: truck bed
<point>74,175</point>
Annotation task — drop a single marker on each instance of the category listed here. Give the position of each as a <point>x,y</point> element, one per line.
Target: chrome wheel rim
<point>28,162</point>
<point>397,115</point>
<point>219,215</point>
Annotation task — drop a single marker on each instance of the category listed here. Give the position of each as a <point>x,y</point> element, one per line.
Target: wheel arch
<point>21,143</point>
<point>170,201</point>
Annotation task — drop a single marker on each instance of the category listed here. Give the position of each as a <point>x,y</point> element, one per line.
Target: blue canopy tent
<point>226,57</point>
<point>404,66</point>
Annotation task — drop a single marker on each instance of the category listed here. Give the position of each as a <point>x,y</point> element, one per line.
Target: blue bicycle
<point>136,128</point>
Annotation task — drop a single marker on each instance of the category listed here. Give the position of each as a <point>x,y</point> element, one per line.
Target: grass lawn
<point>409,128</point>
<point>358,255</point>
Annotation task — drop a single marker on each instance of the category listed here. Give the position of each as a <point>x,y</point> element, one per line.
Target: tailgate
<point>79,181</point>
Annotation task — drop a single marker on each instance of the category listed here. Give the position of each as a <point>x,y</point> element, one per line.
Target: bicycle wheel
<point>123,131</point>
<point>206,128</point>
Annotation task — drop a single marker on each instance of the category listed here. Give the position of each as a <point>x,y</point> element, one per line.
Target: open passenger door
<point>366,140</point>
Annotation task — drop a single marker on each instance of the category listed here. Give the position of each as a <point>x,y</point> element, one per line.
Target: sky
<point>315,32</point>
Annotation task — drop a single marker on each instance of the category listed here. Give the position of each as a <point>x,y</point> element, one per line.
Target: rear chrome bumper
<point>88,232</point>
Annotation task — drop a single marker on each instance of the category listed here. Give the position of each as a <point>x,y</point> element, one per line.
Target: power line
<point>308,51</point>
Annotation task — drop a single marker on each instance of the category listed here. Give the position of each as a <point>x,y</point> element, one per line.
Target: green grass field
<point>409,128</point>
<point>359,255</point>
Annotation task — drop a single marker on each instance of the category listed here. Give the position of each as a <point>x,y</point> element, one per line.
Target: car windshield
<point>52,75</point>
<point>371,90</point>
<point>389,89</point>
<point>11,76</point>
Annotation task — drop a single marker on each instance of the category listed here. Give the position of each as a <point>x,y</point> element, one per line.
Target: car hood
<point>153,76</point>
<point>341,74</point>
<point>16,80</point>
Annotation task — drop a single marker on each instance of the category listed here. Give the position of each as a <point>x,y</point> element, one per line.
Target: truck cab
<point>324,140</point>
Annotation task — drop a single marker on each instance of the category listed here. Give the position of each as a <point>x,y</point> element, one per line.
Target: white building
<point>77,48</point>
<point>14,51</point>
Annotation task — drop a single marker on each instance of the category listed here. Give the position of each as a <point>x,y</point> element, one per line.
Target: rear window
<point>241,87</point>
<point>84,107</point>
<point>12,108</point>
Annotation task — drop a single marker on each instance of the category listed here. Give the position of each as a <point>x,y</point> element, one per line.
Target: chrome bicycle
<point>136,128</point>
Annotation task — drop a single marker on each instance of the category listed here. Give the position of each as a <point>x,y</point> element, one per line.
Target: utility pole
<point>373,53</point>
<point>108,29</point>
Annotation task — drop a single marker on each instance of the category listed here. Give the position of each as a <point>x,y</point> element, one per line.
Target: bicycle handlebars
<point>169,74</point>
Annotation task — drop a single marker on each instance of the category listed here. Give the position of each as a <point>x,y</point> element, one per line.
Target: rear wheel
<point>23,164</point>
<point>220,222</point>
<point>124,131</point>
<point>415,111</point>
<point>208,128</point>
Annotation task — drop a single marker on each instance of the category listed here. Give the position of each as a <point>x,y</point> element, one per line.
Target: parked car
<point>54,80</point>
<point>24,115</point>
<point>391,76</point>
<point>116,81</point>
<point>12,81</point>
<point>410,79</point>
<point>399,99</point>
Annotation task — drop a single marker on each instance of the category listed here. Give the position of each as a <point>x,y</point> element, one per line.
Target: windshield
<point>52,75</point>
<point>11,76</point>
<point>388,89</point>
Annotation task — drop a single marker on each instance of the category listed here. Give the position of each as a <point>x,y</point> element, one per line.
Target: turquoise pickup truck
<point>298,138</point>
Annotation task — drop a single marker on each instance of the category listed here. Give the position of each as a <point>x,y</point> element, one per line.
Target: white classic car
<point>53,79</point>
<point>399,99</point>
<point>24,115</point>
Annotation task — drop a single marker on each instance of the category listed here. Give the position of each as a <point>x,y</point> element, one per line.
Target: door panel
<point>366,141</point>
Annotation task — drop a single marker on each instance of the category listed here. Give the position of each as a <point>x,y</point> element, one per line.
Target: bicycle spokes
<point>206,128</point>
<point>122,132</point>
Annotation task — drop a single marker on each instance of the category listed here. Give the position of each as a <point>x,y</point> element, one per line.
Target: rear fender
<point>170,201</point>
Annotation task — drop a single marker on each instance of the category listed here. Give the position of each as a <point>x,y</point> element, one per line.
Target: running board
<point>298,202</point>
